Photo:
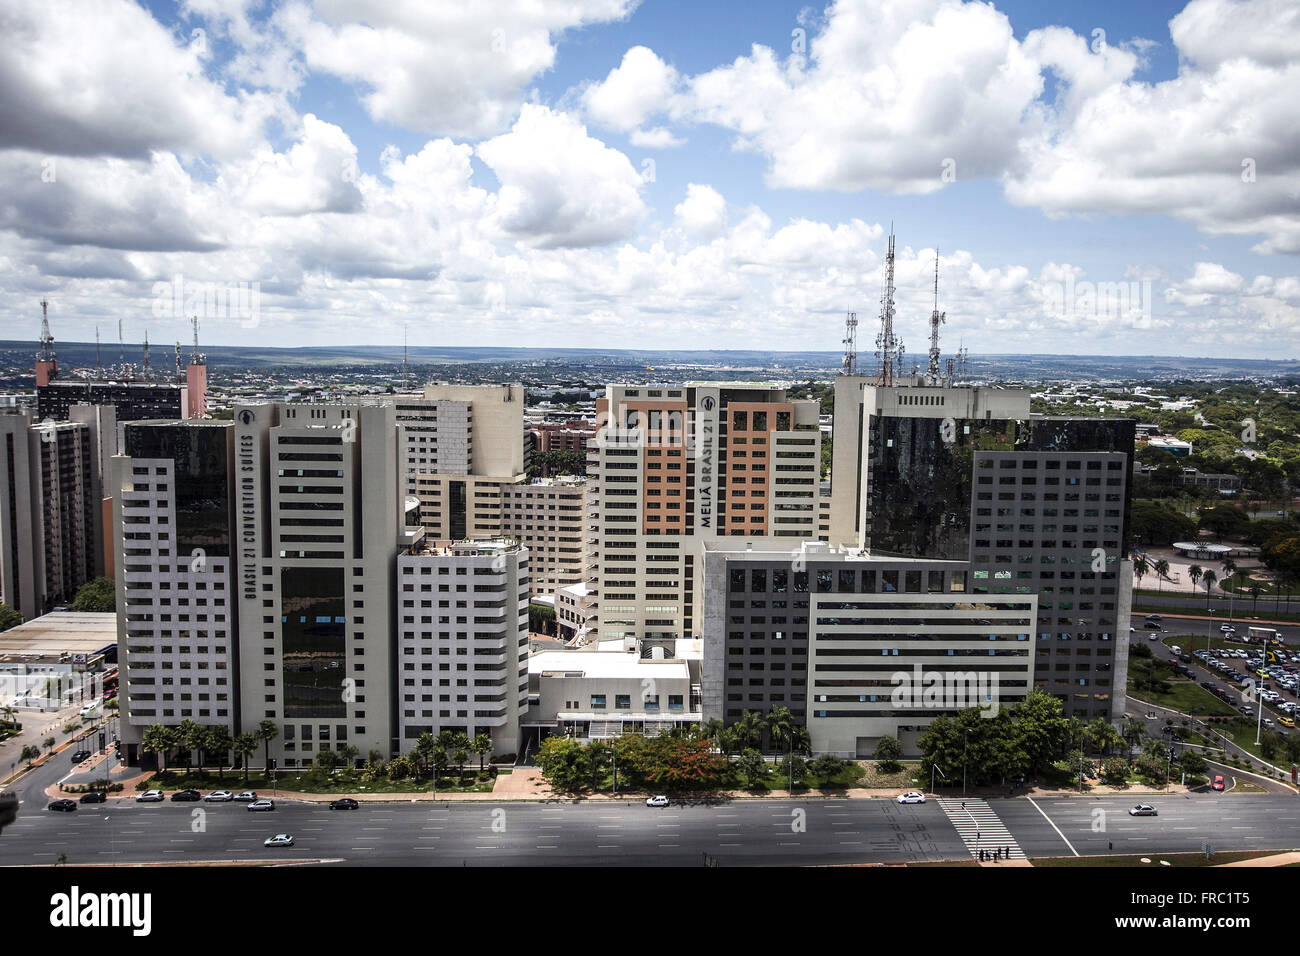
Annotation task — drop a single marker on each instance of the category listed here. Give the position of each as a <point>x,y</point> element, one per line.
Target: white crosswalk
<point>979,827</point>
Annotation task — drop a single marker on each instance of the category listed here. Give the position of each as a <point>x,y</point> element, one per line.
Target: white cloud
<point>453,68</point>
<point>703,212</point>
<point>640,87</point>
<point>318,174</point>
<point>559,186</point>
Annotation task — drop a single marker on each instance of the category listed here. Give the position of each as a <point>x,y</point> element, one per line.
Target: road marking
<point>1054,826</point>
<point>979,826</point>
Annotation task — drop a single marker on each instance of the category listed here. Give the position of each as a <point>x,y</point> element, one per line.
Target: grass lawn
<point>1146,605</point>
<point>1173,859</point>
<point>307,782</point>
<point>1183,695</point>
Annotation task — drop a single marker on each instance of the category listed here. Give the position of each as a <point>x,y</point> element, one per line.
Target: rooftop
<point>604,665</point>
<point>61,632</point>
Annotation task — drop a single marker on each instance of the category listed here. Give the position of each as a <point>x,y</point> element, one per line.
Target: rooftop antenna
<point>47,340</point>
<point>121,345</point>
<point>406,381</point>
<point>195,357</point>
<point>178,360</point>
<point>850,344</point>
<point>887,345</point>
<point>99,364</point>
<point>937,319</point>
<point>147,373</point>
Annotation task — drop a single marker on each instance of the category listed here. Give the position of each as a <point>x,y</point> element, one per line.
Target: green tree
<point>266,732</point>
<point>159,741</point>
<point>245,746</point>
<point>217,740</point>
<point>190,735</point>
<point>9,617</point>
<point>887,754</point>
<point>483,747</point>
<point>326,759</point>
<point>97,595</point>
<point>749,729</point>
<point>780,724</point>
<point>29,753</point>
<point>752,767</point>
<point>1161,568</point>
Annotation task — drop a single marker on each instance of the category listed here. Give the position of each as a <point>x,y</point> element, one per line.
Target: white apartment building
<point>462,645</point>
<point>177,619</point>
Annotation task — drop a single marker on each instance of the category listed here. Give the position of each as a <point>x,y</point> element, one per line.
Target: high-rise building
<point>548,517</point>
<point>674,463</point>
<point>319,524</point>
<point>178,622</point>
<point>460,446</point>
<point>462,647</point>
<point>52,534</point>
<point>1037,505</point>
<point>827,633</point>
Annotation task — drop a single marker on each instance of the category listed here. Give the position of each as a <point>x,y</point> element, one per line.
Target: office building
<point>52,518</point>
<point>548,517</point>
<point>462,644</point>
<point>178,622</point>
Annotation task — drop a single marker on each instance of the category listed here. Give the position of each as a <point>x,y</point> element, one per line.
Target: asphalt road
<point>736,833</point>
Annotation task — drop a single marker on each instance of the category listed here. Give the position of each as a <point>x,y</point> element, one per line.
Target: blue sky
<point>387,171</point>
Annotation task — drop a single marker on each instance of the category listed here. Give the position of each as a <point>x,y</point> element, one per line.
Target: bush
<point>887,754</point>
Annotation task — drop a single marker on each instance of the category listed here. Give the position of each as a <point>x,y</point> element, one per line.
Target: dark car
<point>94,796</point>
<point>186,796</point>
<point>346,803</point>
<point>63,805</point>
<point>80,755</point>
<point>1207,685</point>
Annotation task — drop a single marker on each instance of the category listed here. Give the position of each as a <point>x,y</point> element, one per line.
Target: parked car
<point>186,796</point>
<point>150,796</point>
<point>912,796</point>
<point>262,805</point>
<point>280,839</point>
<point>344,803</point>
<point>80,755</point>
<point>1143,810</point>
<point>659,801</point>
<point>245,796</point>
<point>94,796</point>
<point>219,796</point>
<point>1217,783</point>
<point>63,805</point>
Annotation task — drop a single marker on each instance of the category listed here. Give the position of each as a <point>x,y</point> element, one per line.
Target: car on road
<point>80,755</point>
<point>280,839</point>
<point>659,801</point>
<point>245,796</point>
<point>63,805</point>
<point>259,805</point>
<point>1286,721</point>
<point>94,796</point>
<point>150,796</point>
<point>345,803</point>
<point>219,796</point>
<point>1227,629</point>
<point>1143,810</point>
<point>186,796</point>
<point>912,796</point>
<point>1217,783</point>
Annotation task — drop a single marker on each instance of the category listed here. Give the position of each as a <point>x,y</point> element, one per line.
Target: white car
<point>246,796</point>
<point>659,801</point>
<point>150,796</point>
<point>911,796</point>
<point>219,796</point>
<point>262,805</point>
<point>1143,810</point>
<point>1228,629</point>
<point>280,839</point>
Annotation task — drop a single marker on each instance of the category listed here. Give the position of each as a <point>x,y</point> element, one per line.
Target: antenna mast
<point>195,357</point>
<point>99,362</point>
<point>850,366</point>
<point>47,340</point>
<point>888,348</point>
<point>147,373</point>
<point>937,318</point>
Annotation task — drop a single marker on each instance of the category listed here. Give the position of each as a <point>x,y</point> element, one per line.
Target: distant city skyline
<point>1110,179</point>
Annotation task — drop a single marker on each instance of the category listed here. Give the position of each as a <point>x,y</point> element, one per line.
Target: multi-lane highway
<point>605,833</point>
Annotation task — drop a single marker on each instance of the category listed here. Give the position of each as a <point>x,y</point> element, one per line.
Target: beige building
<point>548,517</point>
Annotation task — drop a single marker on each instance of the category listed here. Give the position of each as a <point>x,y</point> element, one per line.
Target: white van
<point>89,709</point>
<point>1175,650</point>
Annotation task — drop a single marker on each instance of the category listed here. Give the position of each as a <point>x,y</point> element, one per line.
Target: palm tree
<point>191,738</point>
<point>1254,592</point>
<point>779,724</point>
<point>266,732</point>
<point>712,729</point>
<point>1162,571</point>
<point>750,728</point>
<point>1210,577</point>
<point>159,740</point>
<point>483,747</point>
<point>422,753</point>
<point>217,741</point>
<point>1141,567</point>
<point>245,746</point>
<point>1195,572</point>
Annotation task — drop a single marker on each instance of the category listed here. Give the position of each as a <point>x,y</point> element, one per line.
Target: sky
<point>1103,178</point>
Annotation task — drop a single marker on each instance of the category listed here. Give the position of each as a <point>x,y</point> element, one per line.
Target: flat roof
<point>605,664</point>
<point>61,632</point>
